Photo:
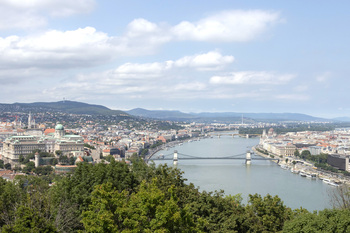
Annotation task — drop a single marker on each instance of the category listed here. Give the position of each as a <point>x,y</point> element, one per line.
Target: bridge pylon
<point>248,158</point>
<point>175,157</point>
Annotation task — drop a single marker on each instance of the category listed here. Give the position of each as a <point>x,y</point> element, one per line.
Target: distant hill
<point>61,106</point>
<point>74,107</point>
<point>160,114</point>
<point>264,116</point>
<point>222,116</point>
<point>343,119</point>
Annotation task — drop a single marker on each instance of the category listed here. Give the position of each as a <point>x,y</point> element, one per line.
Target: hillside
<point>61,106</point>
<point>222,116</point>
<point>160,114</point>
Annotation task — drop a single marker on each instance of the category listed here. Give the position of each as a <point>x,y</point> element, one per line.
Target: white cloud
<point>85,47</point>
<point>236,25</point>
<point>33,13</point>
<point>293,97</point>
<point>322,78</point>
<point>147,68</point>
<point>252,78</point>
<point>56,49</point>
<point>193,86</point>
<point>208,61</point>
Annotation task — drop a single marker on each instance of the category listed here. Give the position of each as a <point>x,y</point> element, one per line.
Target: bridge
<point>218,134</point>
<point>176,156</point>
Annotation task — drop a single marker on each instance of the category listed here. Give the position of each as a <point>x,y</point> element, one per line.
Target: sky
<point>193,56</point>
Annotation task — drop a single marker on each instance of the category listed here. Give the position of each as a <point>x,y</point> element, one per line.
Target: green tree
<point>89,146</point>
<point>29,220</point>
<point>296,153</point>
<point>305,154</point>
<point>147,210</point>
<point>58,153</point>
<point>71,161</point>
<point>63,159</point>
<point>1,163</point>
<point>54,161</point>
<point>266,214</point>
<point>43,170</point>
<point>30,166</point>
<point>7,166</point>
<point>324,221</point>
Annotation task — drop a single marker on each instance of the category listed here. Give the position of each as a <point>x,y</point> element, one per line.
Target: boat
<point>330,182</point>
<point>283,166</point>
<point>295,171</point>
<point>302,174</point>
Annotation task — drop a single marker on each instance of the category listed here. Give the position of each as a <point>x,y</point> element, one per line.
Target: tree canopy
<point>118,197</point>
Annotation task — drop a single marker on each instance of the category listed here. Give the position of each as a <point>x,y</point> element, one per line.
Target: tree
<point>29,167</point>
<point>327,220</point>
<point>340,197</point>
<point>29,220</point>
<point>89,146</point>
<point>108,158</point>
<point>296,153</point>
<point>148,210</point>
<point>63,159</point>
<point>30,210</point>
<point>7,166</point>
<point>266,214</point>
<point>1,163</point>
<point>58,153</point>
<point>54,162</point>
<point>43,170</point>
<point>305,154</point>
<point>71,161</point>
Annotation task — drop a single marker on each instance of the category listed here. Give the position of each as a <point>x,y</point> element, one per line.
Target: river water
<point>234,177</point>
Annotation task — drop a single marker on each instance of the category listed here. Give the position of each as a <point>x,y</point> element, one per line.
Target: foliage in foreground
<point>139,198</point>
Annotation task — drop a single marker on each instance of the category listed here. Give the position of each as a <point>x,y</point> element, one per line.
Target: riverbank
<point>306,169</point>
<point>171,144</point>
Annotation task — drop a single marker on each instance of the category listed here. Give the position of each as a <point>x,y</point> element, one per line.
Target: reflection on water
<point>234,177</point>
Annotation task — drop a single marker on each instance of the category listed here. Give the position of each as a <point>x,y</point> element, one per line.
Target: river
<point>234,177</point>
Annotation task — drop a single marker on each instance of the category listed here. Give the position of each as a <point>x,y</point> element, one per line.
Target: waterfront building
<point>339,161</point>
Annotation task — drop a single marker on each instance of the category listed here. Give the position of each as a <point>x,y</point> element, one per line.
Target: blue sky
<point>193,56</point>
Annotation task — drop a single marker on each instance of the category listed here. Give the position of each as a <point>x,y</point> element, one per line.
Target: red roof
<point>47,131</point>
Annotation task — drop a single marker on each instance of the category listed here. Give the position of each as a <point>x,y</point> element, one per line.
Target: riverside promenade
<point>305,166</point>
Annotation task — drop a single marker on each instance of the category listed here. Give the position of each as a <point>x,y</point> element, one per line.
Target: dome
<point>59,127</point>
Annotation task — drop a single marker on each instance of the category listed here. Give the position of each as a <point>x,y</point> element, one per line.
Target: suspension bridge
<point>176,156</point>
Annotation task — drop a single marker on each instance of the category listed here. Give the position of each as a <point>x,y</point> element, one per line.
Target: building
<point>70,145</point>
<point>338,161</point>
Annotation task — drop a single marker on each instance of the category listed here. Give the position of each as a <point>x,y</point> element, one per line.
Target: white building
<point>70,145</point>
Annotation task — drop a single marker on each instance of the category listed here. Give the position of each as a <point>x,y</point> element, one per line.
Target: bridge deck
<point>211,158</point>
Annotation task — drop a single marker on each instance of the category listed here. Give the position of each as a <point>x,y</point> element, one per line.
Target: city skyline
<point>198,56</point>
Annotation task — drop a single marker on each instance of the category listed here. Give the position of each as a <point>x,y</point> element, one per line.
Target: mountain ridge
<point>66,106</point>
<point>76,107</point>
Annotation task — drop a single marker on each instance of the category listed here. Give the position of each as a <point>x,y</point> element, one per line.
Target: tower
<point>175,157</point>
<point>37,159</point>
<point>30,120</point>
<point>248,158</point>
